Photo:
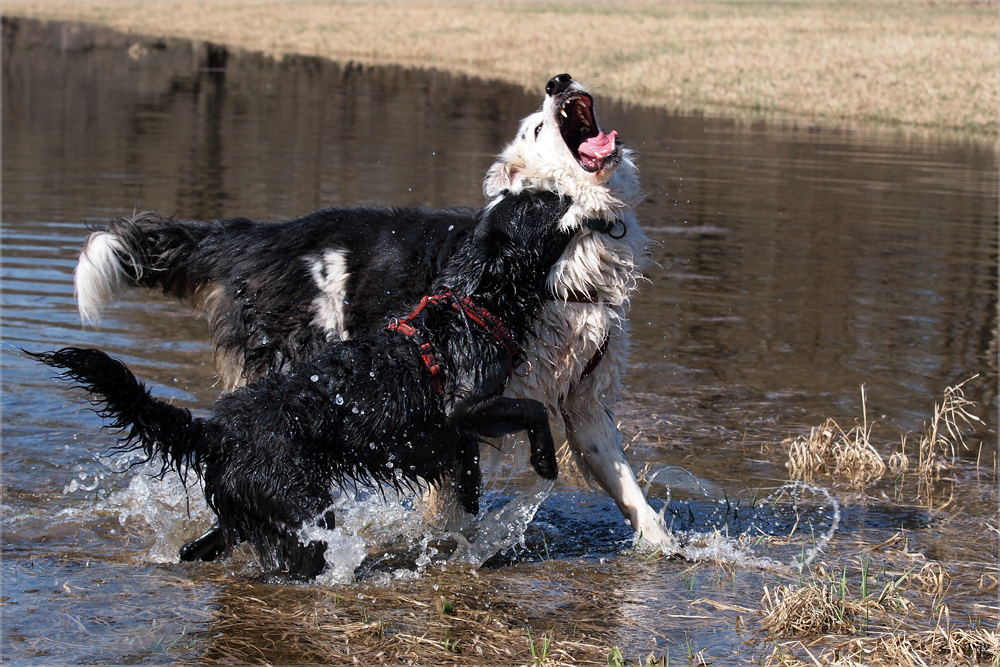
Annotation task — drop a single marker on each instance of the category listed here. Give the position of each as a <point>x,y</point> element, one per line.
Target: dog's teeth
<point>563,112</point>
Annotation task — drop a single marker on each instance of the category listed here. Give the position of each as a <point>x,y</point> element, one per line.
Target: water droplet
<point>339,400</point>
<point>354,409</point>
<point>314,378</point>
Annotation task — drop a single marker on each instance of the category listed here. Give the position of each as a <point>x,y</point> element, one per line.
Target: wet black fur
<point>265,317</point>
<point>363,411</point>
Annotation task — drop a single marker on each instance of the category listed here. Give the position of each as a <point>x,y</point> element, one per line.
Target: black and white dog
<point>275,293</point>
<point>403,405</point>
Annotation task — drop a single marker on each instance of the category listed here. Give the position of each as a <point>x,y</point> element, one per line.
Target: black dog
<point>277,294</point>
<point>274,294</point>
<point>401,406</point>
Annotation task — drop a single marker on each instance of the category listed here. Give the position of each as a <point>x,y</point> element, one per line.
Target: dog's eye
<point>537,130</point>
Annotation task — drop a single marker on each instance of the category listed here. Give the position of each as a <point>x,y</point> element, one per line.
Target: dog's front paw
<point>208,547</point>
<point>545,464</point>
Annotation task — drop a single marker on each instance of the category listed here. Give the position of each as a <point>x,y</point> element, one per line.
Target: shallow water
<point>790,265</point>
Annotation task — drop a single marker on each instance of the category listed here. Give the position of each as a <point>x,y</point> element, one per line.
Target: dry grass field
<point>916,65</point>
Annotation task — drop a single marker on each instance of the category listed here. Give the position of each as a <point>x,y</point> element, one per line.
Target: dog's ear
<point>501,177</point>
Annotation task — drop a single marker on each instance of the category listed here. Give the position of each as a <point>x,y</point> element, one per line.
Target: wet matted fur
<point>275,293</point>
<point>366,410</point>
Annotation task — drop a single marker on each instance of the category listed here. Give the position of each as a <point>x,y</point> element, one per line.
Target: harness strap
<point>596,359</point>
<point>473,311</point>
<point>437,375</point>
<point>492,324</point>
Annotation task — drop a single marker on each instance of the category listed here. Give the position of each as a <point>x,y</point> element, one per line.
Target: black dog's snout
<point>557,84</point>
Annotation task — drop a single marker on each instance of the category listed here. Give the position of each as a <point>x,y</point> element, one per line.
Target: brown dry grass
<point>944,434</point>
<point>256,624</point>
<point>829,450</point>
<point>931,65</point>
<point>801,611</point>
<point>859,615</point>
<point>939,646</point>
<point>845,618</point>
<point>850,456</point>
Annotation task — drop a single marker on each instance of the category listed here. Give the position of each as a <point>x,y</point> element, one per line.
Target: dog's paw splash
<point>345,551</point>
<point>174,514</point>
<point>503,528</point>
<point>387,536</point>
<point>793,522</point>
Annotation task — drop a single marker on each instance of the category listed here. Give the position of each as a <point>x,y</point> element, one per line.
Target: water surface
<point>790,265</point>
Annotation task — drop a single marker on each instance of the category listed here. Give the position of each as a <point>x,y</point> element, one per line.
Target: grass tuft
<point>829,450</point>
<point>852,458</point>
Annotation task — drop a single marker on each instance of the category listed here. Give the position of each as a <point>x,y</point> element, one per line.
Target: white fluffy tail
<point>99,275</point>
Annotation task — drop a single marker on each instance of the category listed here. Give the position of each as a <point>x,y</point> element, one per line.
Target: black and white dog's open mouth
<point>593,149</point>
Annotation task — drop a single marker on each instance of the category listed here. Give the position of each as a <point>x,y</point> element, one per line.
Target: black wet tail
<point>161,430</point>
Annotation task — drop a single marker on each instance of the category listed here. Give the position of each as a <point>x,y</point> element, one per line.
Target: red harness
<point>470,309</point>
<point>588,297</point>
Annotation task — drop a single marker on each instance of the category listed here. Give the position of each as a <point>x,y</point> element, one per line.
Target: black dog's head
<point>516,242</point>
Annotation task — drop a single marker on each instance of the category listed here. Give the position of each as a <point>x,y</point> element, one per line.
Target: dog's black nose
<point>557,84</point>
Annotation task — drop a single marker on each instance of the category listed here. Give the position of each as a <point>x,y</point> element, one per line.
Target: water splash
<point>174,514</point>
<point>384,535</point>
<point>503,528</point>
<point>802,500</point>
<point>796,506</point>
<point>402,529</point>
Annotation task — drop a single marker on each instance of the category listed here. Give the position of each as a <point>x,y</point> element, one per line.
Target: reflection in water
<point>790,265</point>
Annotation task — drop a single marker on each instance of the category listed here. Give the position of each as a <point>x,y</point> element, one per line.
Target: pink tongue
<point>598,147</point>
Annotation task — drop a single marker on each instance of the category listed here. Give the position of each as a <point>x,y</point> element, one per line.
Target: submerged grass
<point>886,608</point>
<point>943,435</point>
<point>828,449</point>
<point>402,624</point>
<point>889,606</point>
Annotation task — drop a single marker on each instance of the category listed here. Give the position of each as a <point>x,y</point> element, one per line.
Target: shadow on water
<point>790,264</point>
